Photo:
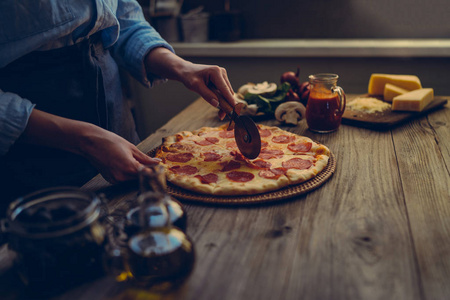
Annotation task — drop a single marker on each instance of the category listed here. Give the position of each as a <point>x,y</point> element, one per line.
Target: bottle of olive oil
<point>159,255</point>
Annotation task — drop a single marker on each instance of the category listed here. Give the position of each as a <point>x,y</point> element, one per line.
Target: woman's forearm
<point>162,62</point>
<point>205,80</point>
<point>57,132</point>
<point>114,157</point>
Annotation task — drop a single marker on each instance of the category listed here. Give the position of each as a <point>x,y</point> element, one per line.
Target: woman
<point>62,116</point>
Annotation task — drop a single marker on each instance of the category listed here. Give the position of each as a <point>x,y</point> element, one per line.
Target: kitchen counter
<point>379,228</point>
<point>318,48</point>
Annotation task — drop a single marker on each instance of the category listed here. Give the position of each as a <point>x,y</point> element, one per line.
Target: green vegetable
<point>267,105</point>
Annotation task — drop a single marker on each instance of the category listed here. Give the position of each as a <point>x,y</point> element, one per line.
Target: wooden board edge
<point>438,103</point>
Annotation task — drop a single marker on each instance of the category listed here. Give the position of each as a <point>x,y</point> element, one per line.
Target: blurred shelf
<point>318,48</point>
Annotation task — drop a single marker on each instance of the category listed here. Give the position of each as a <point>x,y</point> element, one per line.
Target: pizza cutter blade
<point>246,132</point>
<point>247,137</point>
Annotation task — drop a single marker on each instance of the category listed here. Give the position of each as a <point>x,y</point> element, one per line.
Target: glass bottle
<point>156,253</point>
<point>160,255</point>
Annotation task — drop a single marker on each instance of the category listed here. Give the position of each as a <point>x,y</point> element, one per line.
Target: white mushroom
<point>244,89</point>
<point>290,112</point>
<point>247,109</point>
<point>251,110</point>
<point>263,88</point>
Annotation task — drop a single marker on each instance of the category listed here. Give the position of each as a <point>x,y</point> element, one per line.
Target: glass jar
<point>58,238</point>
<point>326,103</point>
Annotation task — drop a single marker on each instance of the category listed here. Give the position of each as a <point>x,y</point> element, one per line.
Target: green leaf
<point>268,105</point>
<point>262,103</point>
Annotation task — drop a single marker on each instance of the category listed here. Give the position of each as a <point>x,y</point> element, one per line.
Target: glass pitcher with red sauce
<point>326,103</point>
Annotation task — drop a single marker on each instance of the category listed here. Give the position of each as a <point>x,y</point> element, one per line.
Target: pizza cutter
<point>246,133</point>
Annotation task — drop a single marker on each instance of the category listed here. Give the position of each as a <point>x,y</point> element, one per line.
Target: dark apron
<point>79,82</point>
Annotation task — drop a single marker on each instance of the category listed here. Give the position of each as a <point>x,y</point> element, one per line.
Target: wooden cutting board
<point>387,119</point>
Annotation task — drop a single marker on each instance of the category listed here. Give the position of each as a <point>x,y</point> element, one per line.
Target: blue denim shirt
<point>39,25</point>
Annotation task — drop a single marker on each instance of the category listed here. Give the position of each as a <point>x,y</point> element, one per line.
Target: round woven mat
<point>281,194</point>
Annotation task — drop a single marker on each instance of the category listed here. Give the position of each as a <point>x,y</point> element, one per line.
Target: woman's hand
<point>195,77</point>
<point>114,157</point>
<point>200,79</point>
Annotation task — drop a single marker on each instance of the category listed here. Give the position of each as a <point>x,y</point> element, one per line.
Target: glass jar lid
<point>52,212</point>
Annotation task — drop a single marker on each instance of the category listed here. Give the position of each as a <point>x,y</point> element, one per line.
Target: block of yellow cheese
<point>391,91</point>
<point>415,100</point>
<point>378,81</point>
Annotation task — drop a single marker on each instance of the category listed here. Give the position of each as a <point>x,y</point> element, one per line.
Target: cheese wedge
<point>378,81</point>
<point>413,101</point>
<point>391,91</point>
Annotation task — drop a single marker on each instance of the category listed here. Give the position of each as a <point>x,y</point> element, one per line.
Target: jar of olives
<point>58,238</point>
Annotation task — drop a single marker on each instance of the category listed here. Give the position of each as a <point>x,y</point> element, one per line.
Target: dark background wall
<point>337,18</point>
<point>317,19</point>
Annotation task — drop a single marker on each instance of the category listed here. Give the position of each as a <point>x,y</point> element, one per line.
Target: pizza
<point>208,161</point>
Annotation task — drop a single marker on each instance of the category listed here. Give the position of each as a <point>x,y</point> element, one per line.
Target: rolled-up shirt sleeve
<point>14,114</point>
<point>137,38</point>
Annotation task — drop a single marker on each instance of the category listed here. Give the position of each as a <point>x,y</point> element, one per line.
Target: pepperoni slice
<point>262,164</point>
<point>208,178</point>
<point>265,132</point>
<point>211,156</point>
<point>212,139</point>
<point>264,144</point>
<point>297,163</point>
<point>283,139</point>
<point>207,141</point>
<point>226,134</point>
<point>320,150</point>
<point>270,153</point>
<point>300,147</point>
<point>179,146</point>
<point>231,165</point>
<point>184,170</point>
<point>279,171</point>
<point>239,176</point>
<point>272,173</point>
<point>268,174</point>
<point>203,143</point>
<point>180,157</point>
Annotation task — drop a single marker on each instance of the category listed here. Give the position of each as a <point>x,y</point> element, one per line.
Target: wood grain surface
<point>378,229</point>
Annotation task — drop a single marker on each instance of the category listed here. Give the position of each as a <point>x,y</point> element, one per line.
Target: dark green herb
<point>267,105</point>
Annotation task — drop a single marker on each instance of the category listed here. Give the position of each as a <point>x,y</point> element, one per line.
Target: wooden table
<point>378,229</point>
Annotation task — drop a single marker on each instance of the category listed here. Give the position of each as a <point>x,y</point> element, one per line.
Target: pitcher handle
<point>4,231</point>
<point>342,98</point>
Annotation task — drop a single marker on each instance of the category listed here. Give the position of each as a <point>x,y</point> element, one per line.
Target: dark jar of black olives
<point>58,238</point>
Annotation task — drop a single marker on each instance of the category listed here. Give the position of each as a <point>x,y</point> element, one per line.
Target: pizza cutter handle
<point>224,105</point>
